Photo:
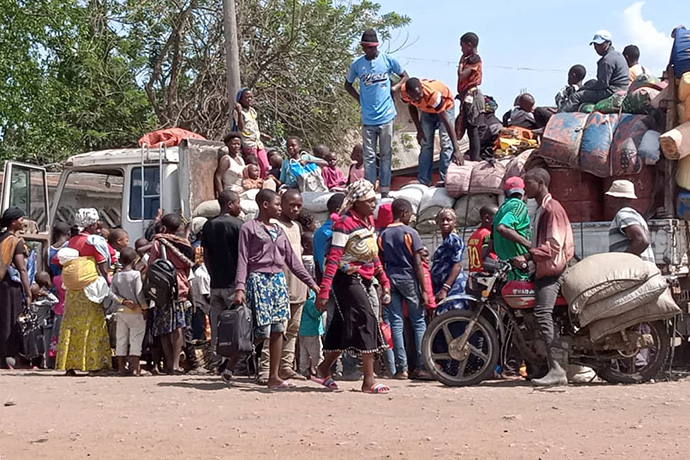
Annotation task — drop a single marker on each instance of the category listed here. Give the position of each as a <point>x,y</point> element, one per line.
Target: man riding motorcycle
<point>552,247</point>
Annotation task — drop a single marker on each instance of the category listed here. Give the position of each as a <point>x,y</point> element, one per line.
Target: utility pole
<point>232,53</point>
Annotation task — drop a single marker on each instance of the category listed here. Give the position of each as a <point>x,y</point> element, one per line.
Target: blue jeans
<point>430,123</point>
<point>381,136</point>
<point>407,290</point>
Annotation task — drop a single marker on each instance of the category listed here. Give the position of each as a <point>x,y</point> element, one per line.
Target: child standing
<point>263,250</point>
<point>471,117</point>
<point>357,168</point>
<point>247,122</point>
<point>127,292</point>
<point>480,239</point>
<point>311,326</point>
<point>333,177</point>
<point>401,249</point>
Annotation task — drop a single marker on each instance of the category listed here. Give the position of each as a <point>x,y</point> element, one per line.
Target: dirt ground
<point>45,415</point>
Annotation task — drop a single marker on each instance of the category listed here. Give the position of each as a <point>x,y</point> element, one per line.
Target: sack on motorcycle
<point>623,302</point>
<point>663,308</point>
<point>602,275</point>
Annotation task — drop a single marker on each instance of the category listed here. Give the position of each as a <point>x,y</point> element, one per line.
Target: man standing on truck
<point>375,96</point>
<point>511,228</point>
<point>552,248</point>
<point>435,100</point>
<point>612,74</point>
<point>628,231</point>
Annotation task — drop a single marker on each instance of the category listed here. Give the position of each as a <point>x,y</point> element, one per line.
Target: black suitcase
<point>235,332</point>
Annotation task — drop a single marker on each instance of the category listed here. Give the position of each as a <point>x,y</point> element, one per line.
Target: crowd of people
<point>321,298</point>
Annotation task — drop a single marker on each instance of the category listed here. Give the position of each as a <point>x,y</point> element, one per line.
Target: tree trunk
<point>232,54</point>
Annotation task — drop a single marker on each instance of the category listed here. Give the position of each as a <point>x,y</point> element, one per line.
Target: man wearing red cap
<point>511,232</point>
<point>374,71</point>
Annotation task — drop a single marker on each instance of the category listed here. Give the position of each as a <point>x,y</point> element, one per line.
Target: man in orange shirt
<point>435,101</point>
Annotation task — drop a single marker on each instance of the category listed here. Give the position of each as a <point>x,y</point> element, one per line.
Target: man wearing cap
<point>511,228</point>
<point>612,75</point>
<point>375,97</point>
<point>435,100</point>
<point>628,231</point>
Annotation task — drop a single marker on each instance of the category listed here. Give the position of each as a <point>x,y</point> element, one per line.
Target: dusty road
<point>44,415</point>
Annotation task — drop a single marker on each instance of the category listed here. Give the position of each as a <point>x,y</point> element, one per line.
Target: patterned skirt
<point>84,344</point>
<point>267,296</point>
<point>167,319</point>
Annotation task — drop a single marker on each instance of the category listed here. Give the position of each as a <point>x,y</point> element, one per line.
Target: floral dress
<point>448,254</point>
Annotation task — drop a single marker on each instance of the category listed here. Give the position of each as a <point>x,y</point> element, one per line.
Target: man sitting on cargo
<point>628,231</point>
<point>612,75</point>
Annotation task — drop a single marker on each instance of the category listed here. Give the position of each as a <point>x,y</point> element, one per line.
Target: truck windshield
<point>100,190</point>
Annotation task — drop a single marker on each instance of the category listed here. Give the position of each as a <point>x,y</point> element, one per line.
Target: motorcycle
<point>464,347</point>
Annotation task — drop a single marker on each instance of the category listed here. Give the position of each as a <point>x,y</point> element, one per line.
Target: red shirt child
<point>481,238</point>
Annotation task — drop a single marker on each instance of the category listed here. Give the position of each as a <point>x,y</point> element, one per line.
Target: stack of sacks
<point>467,208</point>
<point>412,193</point>
<point>612,291</point>
<point>435,199</point>
<point>675,144</point>
<point>317,202</point>
<point>458,178</point>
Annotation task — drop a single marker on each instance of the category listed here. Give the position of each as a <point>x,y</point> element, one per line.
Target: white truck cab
<point>119,183</point>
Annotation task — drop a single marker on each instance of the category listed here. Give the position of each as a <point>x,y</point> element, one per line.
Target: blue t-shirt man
<point>374,71</point>
<point>375,87</point>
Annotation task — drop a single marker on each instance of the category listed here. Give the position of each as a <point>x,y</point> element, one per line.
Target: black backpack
<point>161,281</point>
<point>236,333</point>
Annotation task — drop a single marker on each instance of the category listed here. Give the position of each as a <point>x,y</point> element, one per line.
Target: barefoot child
<point>127,293</point>
<point>263,251</point>
<point>248,126</point>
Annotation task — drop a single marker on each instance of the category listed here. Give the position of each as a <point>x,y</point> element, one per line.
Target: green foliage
<point>79,75</point>
<point>64,86</point>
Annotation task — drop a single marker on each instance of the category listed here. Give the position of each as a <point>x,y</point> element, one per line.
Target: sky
<point>528,46</point>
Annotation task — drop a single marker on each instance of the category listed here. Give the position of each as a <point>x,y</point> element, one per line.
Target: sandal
<point>378,389</point>
<point>285,385</point>
<point>327,381</point>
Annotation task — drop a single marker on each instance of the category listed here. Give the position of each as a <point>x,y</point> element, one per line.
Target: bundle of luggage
<point>608,293</point>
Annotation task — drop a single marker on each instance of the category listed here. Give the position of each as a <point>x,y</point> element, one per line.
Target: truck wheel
<point>460,367</point>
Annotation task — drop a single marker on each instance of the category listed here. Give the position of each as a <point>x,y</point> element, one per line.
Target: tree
<point>79,75</point>
<point>65,86</point>
<point>293,53</point>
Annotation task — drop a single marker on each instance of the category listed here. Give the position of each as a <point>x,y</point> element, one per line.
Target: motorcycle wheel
<point>646,363</point>
<point>478,359</point>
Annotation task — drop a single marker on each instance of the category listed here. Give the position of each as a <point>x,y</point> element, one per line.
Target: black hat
<point>369,38</point>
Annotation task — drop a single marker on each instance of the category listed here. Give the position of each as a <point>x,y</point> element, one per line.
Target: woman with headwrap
<point>351,264</point>
<point>84,343</point>
<point>13,278</point>
<point>246,122</point>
